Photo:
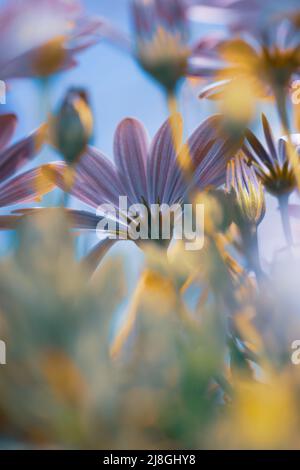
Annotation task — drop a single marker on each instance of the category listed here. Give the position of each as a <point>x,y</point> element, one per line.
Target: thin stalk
<point>65,199</point>
<point>252,251</point>
<point>183,152</point>
<point>172,103</point>
<point>285,219</point>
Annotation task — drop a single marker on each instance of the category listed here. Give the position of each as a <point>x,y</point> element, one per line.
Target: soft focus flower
<point>162,39</point>
<point>262,415</point>
<point>271,163</point>
<point>163,173</point>
<point>72,125</point>
<point>274,169</point>
<point>242,15</point>
<point>41,37</point>
<point>247,69</point>
<point>27,186</point>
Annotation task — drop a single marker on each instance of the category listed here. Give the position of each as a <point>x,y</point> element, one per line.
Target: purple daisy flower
<point>160,42</point>
<point>161,39</point>
<point>41,37</point>
<point>146,174</point>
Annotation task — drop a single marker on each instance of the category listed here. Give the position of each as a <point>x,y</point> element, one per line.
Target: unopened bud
<point>71,128</point>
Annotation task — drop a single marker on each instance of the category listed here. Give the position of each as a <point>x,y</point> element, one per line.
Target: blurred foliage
<point>172,376</point>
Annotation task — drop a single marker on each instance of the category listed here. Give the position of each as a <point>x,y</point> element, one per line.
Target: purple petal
<point>209,155</point>
<point>8,124</point>
<point>82,190</point>
<point>208,131</point>
<point>98,176</point>
<point>96,180</point>
<point>130,151</point>
<point>23,66</point>
<point>91,30</point>
<point>258,148</point>
<point>212,170</point>
<point>269,138</point>
<point>16,156</point>
<point>83,220</point>
<point>162,165</point>
<point>214,91</point>
<point>26,187</point>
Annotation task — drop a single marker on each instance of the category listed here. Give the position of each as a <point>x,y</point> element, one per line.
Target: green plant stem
<point>252,252</point>
<point>283,207</point>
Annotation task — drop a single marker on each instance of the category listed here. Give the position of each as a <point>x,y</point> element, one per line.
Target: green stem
<point>252,251</point>
<point>64,199</point>
<point>282,109</point>
<point>283,207</point>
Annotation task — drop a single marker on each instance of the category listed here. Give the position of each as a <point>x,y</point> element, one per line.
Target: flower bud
<point>250,199</point>
<point>72,127</point>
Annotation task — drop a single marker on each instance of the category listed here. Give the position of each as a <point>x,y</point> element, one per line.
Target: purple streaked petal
<point>269,138</point>
<point>282,151</point>
<point>209,153</point>
<point>81,189</point>
<point>96,181</point>
<point>8,124</point>
<point>212,170</point>
<point>162,166</point>
<point>99,174</point>
<point>26,187</point>
<point>130,152</point>
<point>208,131</point>
<point>83,220</point>
<point>16,156</point>
<point>23,66</point>
<point>258,148</point>
<point>214,91</point>
<point>95,29</point>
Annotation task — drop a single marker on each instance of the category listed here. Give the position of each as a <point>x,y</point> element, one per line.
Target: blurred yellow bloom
<point>50,57</point>
<point>263,415</point>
